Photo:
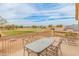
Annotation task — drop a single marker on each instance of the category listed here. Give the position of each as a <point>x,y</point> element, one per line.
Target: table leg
<point>25,49</point>
<point>24,52</point>
<point>38,54</point>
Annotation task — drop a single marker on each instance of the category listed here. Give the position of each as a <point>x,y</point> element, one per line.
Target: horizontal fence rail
<point>13,45</point>
<point>9,45</point>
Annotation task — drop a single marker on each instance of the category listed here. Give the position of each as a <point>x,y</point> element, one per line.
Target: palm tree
<point>2,21</point>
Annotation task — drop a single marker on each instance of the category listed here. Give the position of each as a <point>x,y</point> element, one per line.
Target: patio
<point>14,46</point>
<point>67,50</point>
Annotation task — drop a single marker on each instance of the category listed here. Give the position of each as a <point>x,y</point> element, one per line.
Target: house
<point>59,28</point>
<point>69,29</point>
<point>73,28</point>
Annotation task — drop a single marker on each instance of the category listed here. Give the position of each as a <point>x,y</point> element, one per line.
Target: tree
<point>2,21</point>
<point>59,25</point>
<point>42,27</point>
<point>50,26</point>
<point>33,26</point>
<point>21,26</point>
<point>53,29</point>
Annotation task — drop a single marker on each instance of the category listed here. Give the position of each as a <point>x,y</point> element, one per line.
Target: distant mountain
<point>2,21</point>
<point>74,27</point>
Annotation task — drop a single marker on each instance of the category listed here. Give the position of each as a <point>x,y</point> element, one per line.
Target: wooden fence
<point>10,45</point>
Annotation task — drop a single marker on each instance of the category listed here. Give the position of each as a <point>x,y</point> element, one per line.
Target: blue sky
<point>38,13</point>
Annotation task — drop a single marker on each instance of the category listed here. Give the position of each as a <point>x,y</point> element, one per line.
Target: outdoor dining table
<point>39,45</point>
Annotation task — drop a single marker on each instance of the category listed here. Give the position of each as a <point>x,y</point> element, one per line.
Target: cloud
<point>47,6</point>
<point>38,13</point>
<point>11,11</point>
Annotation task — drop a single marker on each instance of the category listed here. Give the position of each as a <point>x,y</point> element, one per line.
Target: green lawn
<point>10,33</point>
<point>19,32</point>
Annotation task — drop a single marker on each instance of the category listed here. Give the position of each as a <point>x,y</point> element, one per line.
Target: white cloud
<point>69,10</point>
<point>66,9</point>
<point>15,10</point>
<point>11,11</point>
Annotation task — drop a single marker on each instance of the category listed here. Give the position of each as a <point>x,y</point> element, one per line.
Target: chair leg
<point>60,51</point>
<point>56,51</point>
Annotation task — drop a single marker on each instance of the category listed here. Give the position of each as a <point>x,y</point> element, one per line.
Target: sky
<point>38,13</point>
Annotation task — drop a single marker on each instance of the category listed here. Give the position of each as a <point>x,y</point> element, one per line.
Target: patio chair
<point>58,47</point>
<point>55,48</point>
<point>71,38</point>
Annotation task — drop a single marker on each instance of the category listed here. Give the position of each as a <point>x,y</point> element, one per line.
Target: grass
<point>19,32</point>
<point>10,33</point>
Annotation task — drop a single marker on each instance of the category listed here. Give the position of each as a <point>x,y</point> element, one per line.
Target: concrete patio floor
<point>67,50</point>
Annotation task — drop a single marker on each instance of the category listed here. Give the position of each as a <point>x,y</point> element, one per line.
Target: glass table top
<point>41,44</point>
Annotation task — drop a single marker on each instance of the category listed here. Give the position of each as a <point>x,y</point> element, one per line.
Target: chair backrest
<point>57,43</point>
